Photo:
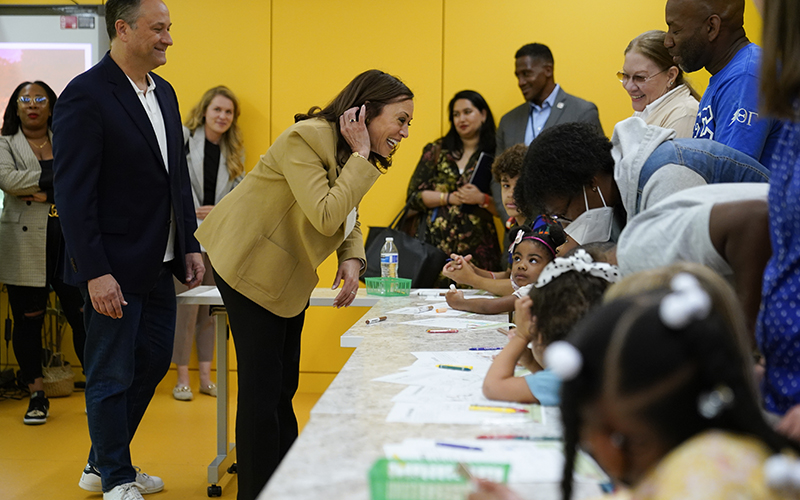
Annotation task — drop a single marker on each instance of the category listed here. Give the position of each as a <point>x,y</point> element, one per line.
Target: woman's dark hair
<point>780,62</point>
<point>560,161</point>
<point>11,121</point>
<point>487,141</point>
<point>659,375</point>
<point>374,88</point>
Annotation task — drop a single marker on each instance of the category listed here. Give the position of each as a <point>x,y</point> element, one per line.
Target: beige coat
<point>267,237</point>
<point>676,110</point>
<point>23,224</point>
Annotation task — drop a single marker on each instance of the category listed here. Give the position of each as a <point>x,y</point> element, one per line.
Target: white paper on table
<point>458,323</point>
<point>417,394</point>
<point>530,461</point>
<point>435,377</point>
<point>458,413</point>
<point>446,311</point>
<point>209,293</point>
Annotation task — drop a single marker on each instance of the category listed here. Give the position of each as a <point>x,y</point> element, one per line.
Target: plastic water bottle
<point>389,259</point>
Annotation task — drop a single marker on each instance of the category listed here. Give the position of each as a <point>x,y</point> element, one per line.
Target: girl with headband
<point>532,249</point>
<point>566,290</point>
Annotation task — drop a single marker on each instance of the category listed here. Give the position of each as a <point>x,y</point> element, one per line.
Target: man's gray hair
<point>127,10</point>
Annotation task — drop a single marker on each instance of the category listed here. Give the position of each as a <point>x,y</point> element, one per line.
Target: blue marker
<point>485,348</point>
<point>459,446</point>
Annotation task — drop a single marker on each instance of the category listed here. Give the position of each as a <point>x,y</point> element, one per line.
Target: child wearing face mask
<point>567,289</point>
<point>531,250</point>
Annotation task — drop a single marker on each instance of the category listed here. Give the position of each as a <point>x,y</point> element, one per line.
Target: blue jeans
<point>715,162</point>
<point>126,359</point>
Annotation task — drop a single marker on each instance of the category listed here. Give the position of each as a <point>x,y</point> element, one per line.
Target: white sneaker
<point>90,481</point>
<point>127,491</point>
<point>148,484</point>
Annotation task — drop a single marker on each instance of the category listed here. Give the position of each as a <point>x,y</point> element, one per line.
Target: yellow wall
<point>284,56</point>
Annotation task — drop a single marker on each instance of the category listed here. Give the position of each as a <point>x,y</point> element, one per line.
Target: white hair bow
<point>581,262</point>
<point>688,302</point>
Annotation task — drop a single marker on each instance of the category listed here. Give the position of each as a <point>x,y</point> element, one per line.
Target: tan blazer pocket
<point>268,267</point>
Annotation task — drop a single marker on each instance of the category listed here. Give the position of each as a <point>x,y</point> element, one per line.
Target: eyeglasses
<point>637,79</point>
<point>39,99</point>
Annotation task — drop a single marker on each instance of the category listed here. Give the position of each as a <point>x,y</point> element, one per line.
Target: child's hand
<point>488,490</point>
<point>459,270</point>
<point>526,325</point>
<point>511,332</point>
<point>455,298</point>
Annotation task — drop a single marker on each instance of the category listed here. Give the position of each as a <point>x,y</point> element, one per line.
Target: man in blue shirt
<point>710,34</point>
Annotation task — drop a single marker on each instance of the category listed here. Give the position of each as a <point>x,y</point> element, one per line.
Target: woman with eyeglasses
<point>30,236</point>
<point>660,94</point>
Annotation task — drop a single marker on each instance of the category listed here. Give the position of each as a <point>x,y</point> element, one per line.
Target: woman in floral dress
<point>458,216</point>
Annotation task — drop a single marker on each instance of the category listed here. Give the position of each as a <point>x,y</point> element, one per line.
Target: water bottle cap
<point>389,238</point>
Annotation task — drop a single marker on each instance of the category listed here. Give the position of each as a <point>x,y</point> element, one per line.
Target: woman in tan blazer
<point>266,238</point>
<point>30,236</point>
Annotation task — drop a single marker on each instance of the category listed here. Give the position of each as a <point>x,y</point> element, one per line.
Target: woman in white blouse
<point>659,92</point>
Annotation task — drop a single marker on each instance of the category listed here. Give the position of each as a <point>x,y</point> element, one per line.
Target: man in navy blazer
<point>546,105</point>
<point>124,199</point>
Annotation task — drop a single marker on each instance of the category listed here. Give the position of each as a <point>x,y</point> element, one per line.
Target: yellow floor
<point>175,441</point>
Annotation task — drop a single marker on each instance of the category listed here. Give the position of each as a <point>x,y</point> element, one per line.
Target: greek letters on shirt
<point>705,127</point>
<point>743,116</point>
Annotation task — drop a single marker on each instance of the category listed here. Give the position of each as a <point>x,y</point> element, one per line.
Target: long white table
<point>347,428</point>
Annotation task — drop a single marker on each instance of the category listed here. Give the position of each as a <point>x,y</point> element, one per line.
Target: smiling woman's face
<point>646,81</point>
<point>390,127</point>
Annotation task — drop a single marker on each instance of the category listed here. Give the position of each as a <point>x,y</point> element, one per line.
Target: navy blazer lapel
<point>558,109</point>
<point>127,97</point>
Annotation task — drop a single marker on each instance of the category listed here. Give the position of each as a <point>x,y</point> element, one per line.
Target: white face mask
<point>593,225</point>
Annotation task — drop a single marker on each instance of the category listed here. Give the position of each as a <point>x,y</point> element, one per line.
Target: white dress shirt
<point>153,110</point>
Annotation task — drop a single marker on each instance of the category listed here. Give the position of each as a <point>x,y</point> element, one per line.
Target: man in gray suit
<point>546,105</point>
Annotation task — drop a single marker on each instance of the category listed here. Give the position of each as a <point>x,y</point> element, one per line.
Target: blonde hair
<point>232,138</point>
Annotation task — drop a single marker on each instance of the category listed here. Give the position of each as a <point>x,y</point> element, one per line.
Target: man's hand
<point>195,269</point>
<point>348,271</point>
<point>202,212</point>
<point>106,296</point>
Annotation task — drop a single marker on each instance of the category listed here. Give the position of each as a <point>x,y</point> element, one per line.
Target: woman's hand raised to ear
<point>353,125</point>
